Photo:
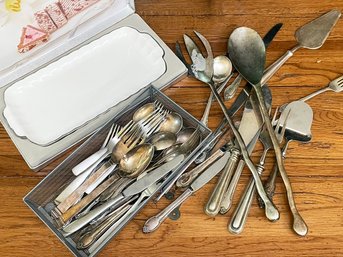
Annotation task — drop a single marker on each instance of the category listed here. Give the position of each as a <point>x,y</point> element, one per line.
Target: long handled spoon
<point>247,53</point>
<point>206,77</point>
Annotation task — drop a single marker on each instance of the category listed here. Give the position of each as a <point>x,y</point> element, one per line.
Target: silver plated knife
<point>154,222</point>
<point>135,188</point>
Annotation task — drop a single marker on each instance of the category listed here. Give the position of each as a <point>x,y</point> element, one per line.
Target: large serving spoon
<point>311,36</point>
<point>205,76</point>
<point>247,53</point>
<point>298,128</point>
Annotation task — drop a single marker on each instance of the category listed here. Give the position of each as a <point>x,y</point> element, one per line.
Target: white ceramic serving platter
<point>78,29</point>
<point>37,155</point>
<point>63,96</point>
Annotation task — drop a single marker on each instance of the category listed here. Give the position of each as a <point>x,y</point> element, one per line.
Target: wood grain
<point>315,169</point>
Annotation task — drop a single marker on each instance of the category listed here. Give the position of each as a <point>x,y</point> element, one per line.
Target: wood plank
<point>314,168</point>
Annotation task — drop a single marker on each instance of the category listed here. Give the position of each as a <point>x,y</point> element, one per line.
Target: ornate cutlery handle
<point>154,222</point>
<point>273,68</point>
<point>240,215</point>
<point>213,205</point>
<point>231,89</point>
<point>226,203</point>
<point>89,161</point>
<point>90,236</point>
<point>187,178</point>
<point>299,225</point>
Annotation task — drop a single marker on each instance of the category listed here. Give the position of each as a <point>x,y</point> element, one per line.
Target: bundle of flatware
<point>292,121</point>
<point>134,159</point>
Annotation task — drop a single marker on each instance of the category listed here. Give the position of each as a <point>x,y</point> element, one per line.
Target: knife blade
<point>155,221</point>
<point>135,188</point>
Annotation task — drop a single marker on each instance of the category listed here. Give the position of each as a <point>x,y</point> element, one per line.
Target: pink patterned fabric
<point>73,7</point>
<point>44,21</point>
<point>56,14</point>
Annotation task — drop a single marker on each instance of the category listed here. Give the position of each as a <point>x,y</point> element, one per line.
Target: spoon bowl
<point>247,53</point>
<point>184,135</point>
<point>162,140</point>
<point>172,123</point>
<point>222,68</point>
<point>143,112</point>
<point>136,160</point>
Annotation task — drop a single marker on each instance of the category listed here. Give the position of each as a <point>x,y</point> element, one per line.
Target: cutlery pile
<point>110,184</point>
<point>290,122</point>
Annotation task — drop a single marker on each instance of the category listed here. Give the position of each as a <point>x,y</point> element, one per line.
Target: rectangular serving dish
<point>37,156</point>
<point>41,197</point>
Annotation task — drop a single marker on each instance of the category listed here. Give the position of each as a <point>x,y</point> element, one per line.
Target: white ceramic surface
<point>63,96</point>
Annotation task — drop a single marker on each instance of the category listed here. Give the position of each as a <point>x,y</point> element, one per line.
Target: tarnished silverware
<point>250,126</point>
<point>206,77</point>
<point>311,36</point>
<point>267,39</point>
<point>135,188</point>
<point>298,128</point>
<point>335,85</point>
<point>187,178</point>
<point>154,222</point>
<point>240,215</point>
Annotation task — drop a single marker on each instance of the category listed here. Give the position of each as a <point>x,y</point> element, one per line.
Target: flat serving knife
<point>137,187</point>
<point>154,222</point>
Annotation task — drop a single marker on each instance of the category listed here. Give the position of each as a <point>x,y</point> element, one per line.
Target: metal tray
<point>41,197</point>
<point>37,156</point>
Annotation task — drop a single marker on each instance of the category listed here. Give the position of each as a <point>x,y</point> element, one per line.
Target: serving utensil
<point>240,100</point>
<point>240,215</point>
<point>230,91</point>
<point>247,53</point>
<point>222,72</point>
<point>311,36</point>
<point>250,126</point>
<point>297,128</point>
<point>206,77</point>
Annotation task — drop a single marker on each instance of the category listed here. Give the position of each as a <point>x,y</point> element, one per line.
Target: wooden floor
<point>315,169</point>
